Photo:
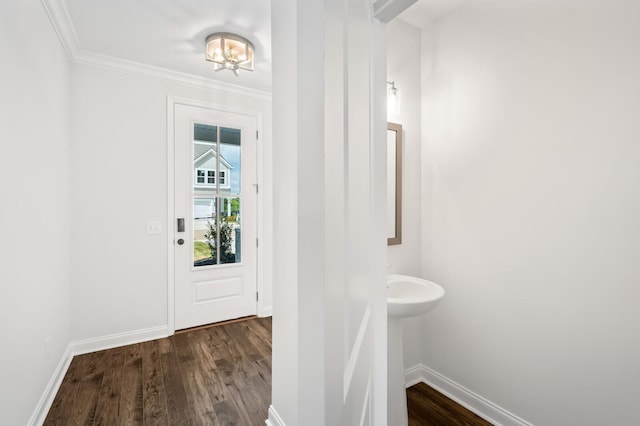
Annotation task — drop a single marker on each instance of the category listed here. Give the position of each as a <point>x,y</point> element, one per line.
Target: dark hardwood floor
<point>428,407</point>
<point>218,375</point>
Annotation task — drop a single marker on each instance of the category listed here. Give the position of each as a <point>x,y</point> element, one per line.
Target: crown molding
<point>61,21</point>
<point>386,10</point>
<point>150,71</point>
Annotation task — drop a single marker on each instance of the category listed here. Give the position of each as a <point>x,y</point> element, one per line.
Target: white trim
<point>365,412</point>
<point>63,25</point>
<point>216,107</point>
<point>486,409</point>
<point>44,404</point>
<point>350,368</point>
<point>265,311</point>
<point>262,311</point>
<point>274,419</point>
<point>414,375</point>
<point>61,21</point>
<point>85,346</point>
<point>386,10</point>
<point>171,215</point>
<point>144,70</point>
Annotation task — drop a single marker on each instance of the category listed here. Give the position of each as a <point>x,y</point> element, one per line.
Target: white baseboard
<point>274,419</point>
<point>414,375</point>
<point>80,347</point>
<point>463,396</point>
<point>265,311</point>
<point>43,406</point>
<point>86,346</point>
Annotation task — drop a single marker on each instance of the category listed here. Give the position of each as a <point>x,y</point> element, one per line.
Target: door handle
<point>180,241</point>
<point>181,224</point>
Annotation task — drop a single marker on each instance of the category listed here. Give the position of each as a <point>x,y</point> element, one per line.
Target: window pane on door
<point>203,216</point>
<point>216,195</point>
<point>230,161</point>
<point>230,237</point>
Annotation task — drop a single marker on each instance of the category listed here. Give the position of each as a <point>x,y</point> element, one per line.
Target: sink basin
<point>409,296</point>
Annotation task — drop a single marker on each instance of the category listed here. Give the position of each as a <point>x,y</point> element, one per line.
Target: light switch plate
<point>153,227</point>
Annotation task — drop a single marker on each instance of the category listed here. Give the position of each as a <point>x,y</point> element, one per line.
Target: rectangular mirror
<point>394,184</point>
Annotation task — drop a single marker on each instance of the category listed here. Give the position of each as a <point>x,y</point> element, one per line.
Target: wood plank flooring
<point>428,407</point>
<point>218,375</point>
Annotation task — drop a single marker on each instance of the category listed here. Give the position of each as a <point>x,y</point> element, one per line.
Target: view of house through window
<point>216,195</point>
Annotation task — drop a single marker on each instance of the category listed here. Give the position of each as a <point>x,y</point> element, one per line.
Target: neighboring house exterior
<point>206,173</point>
<point>206,177</point>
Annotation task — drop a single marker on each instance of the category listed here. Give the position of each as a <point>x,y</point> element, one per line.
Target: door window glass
<point>216,195</point>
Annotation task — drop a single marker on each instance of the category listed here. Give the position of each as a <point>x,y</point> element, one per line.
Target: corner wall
<point>329,329</point>
<point>35,214</point>
<point>531,199</point>
<point>404,71</point>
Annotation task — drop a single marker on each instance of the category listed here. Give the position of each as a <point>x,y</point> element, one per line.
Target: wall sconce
<point>229,51</point>
<point>393,98</point>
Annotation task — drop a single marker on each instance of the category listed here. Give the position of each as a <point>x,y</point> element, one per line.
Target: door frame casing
<point>172,101</point>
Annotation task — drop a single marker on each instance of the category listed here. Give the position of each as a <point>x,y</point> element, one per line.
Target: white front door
<point>216,217</point>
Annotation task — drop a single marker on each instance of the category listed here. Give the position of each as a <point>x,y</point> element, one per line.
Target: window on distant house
<point>223,177</point>
<point>205,177</point>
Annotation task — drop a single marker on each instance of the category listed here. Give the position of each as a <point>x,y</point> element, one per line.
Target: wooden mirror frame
<point>397,129</point>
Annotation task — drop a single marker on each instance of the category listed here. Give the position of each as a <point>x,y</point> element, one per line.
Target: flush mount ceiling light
<point>229,52</point>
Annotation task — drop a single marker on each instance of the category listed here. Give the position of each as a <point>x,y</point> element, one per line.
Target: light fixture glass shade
<point>229,51</point>
<point>393,99</point>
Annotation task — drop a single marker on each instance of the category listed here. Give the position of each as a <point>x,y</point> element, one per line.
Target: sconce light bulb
<point>393,101</point>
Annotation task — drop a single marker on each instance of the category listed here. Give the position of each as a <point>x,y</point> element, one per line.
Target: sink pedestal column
<point>396,390</point>
<point>406,297</point>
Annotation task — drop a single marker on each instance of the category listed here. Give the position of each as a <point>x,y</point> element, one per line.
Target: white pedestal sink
<point>406,297</point>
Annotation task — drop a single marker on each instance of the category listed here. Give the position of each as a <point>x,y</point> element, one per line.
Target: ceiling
<point>170,35</point>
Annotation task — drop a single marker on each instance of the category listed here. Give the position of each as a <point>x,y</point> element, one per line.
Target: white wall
<point>119,157</point>
<point>35,212</point>
<point>404,70</point>
<point>329,340</point>
<point>531,200</point>
<point>284,386</point>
